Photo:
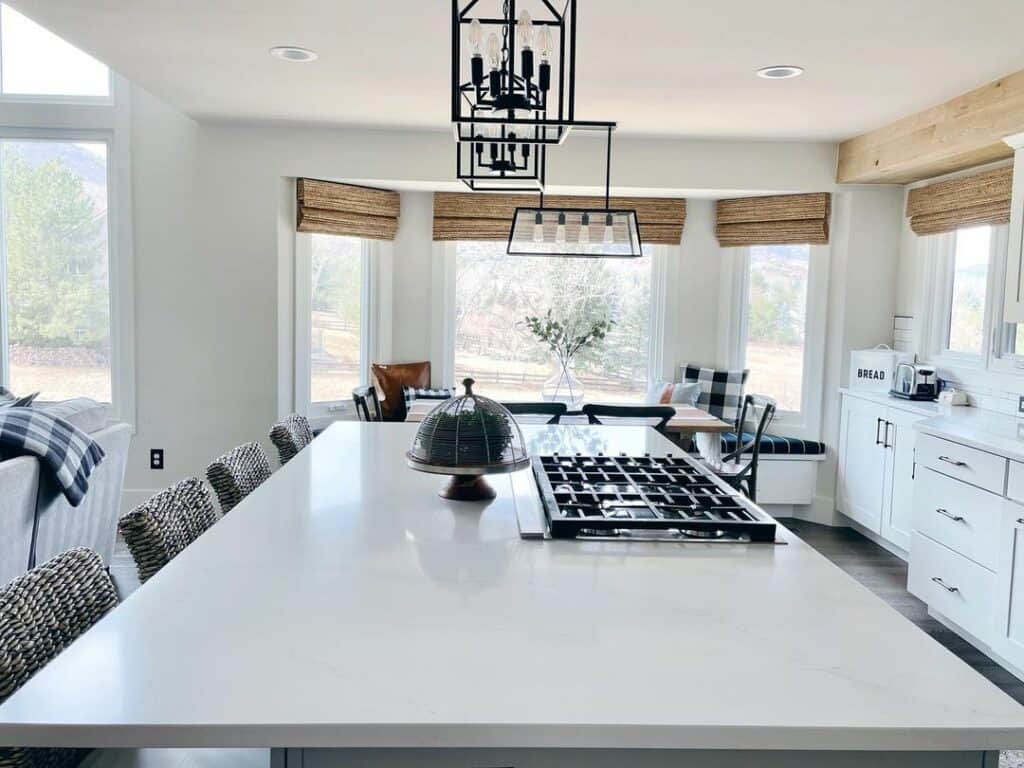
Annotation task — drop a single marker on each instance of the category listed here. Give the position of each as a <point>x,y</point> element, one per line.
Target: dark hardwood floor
<point>886,575</point>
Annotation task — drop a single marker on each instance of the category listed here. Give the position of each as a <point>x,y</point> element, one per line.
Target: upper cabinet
<point>1015,256</point>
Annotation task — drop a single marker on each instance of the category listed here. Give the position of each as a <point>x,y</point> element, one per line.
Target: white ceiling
<point>665,67</point>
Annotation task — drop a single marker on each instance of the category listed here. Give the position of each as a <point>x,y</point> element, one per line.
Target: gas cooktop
<point>643,497</point>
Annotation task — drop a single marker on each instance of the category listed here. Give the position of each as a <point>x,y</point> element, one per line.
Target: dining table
<point>689,420</point>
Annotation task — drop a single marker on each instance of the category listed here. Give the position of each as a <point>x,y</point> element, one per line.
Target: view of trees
<point>970,284</point>
<point>495,292</point>
<point>776,321</point>
<point>55,240</point>
<point>337,310</point>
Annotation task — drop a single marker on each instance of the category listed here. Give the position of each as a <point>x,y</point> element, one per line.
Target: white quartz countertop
<point>344,604</point>
<point>999,433</point>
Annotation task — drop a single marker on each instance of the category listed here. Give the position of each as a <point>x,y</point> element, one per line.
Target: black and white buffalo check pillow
<point>721,392</point>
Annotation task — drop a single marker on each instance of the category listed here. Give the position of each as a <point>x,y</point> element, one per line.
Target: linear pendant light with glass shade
<point>569,231</point>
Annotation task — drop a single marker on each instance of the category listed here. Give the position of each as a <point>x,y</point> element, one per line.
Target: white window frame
<point>109,122</point>
<point>370,271</point>
<point>442,360</point>
<point>735,295</point>
<point>57,98</point>
<point>938,254</point>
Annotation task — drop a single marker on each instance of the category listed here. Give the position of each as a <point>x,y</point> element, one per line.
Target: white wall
<point>172,403</point>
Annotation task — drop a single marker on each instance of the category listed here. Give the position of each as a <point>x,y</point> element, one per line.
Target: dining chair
<point>290,435</point>
<point>238,473</point>
<point>367,403</point>
<point>158,529</point>
<point>41,613</point>
<point>739,467</point>
<point>656,416</point>
<point>537,413</point>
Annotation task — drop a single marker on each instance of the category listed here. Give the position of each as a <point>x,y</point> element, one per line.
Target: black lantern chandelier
<point>513,89</point>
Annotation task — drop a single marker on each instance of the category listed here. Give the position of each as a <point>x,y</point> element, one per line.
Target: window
<point>774,325</point>
<point>963,286</point>
<point>776,322</point>
<point>55,262</point>
<point>967,287</point>
<point>35,62</point>
<point>332,306</point>
<point>494,293</point>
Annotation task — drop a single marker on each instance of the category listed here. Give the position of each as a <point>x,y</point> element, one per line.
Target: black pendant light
<point>513,89</point>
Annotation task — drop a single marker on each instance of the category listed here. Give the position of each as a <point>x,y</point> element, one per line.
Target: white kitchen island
<point>347,615</point>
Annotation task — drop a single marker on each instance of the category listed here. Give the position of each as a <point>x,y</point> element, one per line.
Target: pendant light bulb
<point>609,230</point>
<point>585,230</point>
<point>545,42</point>
<point>538,228</point>
<point>476,34</point>
<point>524,30</point>
<point>493,49</point>
<point>560,230</point>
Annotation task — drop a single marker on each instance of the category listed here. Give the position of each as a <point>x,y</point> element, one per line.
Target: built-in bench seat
<point>776,445</point>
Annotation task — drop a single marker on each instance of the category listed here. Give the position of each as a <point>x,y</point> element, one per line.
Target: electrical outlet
<point>156,458</point>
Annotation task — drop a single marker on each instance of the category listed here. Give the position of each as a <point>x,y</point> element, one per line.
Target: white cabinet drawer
<point>1015,482</point>
<point>952,585</point>
<point>985,470</point>
<point>964,518</point>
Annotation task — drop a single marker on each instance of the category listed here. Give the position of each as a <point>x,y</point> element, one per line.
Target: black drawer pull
<point>944,513</point>
<point>943,584</point>
<point>954,462</point>
<point>1020,520</point>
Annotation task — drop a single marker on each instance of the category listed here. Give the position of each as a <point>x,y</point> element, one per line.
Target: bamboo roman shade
<point>331,208</point>
<point>468,216</point>
<point>774,220</point>
<point>983,198</point>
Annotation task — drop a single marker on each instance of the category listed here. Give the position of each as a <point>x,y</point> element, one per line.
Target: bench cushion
<point>776,445</point>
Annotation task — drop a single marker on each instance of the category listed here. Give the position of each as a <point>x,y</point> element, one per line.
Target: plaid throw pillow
<point>721,392</point>
<point>426,393</point>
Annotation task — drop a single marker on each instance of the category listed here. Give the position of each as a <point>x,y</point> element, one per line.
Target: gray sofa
<point>32,507</point>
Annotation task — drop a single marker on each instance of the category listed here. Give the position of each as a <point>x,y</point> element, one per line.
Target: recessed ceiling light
<point>780,72</point>
<point>292,53</point>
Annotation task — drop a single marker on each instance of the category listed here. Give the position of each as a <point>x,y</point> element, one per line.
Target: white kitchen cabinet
<point>899,441</point>
<point>862,462</point>
<point>876,467</point>
<point>1015,257</point>
<point>1007,637</point>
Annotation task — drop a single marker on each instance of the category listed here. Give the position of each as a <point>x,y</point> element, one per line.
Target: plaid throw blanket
<point>69,453</point>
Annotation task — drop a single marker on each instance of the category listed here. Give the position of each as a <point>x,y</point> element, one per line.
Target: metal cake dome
<point>468,437</point>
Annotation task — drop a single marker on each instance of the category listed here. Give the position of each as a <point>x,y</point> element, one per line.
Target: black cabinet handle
<point>944,585</point>
<point>945,513</point>
<point>878,430</point>
<point>885,435</point>
<point>954,462</point>
<point>1020,520</point>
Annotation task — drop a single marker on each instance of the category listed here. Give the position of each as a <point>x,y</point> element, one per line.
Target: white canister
<point>873,369</point>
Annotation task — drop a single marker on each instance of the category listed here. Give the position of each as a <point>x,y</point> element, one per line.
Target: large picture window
<point>494,293</point>
<point>56,276</point>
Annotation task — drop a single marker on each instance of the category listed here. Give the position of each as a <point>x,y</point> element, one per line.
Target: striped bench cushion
<point>776,445</point>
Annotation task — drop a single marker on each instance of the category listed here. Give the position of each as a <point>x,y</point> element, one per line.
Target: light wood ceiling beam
<point>961,133</point>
